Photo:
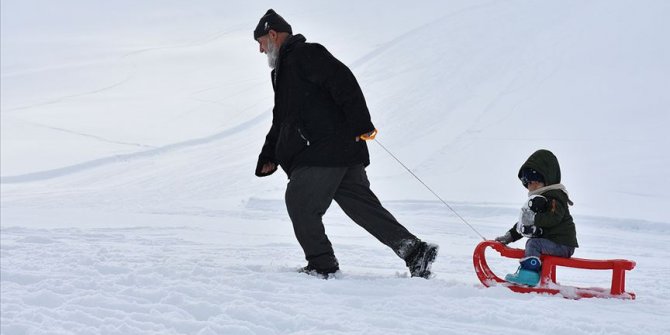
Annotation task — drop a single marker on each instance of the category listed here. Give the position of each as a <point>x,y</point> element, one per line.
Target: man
<point>319,126</point>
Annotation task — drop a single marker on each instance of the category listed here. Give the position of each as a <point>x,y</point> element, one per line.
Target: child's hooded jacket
<point>556,222</point>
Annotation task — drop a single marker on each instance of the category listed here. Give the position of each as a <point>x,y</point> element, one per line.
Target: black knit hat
<point>274,21</point>
<point>526,175</point>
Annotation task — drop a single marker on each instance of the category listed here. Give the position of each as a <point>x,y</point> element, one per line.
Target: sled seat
<point>548,283</point>
<point>618,267</point>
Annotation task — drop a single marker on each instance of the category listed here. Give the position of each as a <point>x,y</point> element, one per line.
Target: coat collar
<point>290,43</point>
<point>285,48</point>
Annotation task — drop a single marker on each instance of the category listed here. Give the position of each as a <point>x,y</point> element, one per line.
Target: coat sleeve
<point>268,151</point>
<point>553,216</point>
<point>515,234</point>
<point>319,67</point>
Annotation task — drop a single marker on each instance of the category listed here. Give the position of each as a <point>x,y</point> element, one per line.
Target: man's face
<point>267,45</point>
<point>263,43</point>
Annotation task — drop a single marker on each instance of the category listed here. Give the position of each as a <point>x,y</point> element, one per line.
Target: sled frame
<point>548,283</point>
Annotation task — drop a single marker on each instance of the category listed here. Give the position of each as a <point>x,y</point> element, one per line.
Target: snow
<point>130,132</point>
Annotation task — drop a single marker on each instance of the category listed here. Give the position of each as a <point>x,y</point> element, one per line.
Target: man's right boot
<point>420,261</point>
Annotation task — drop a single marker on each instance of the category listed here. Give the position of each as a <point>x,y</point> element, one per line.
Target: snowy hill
<point>130,133</point>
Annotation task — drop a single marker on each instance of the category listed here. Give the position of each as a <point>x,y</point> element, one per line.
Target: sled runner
<point>548,282</point>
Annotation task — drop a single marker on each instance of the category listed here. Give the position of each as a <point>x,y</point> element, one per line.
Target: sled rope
<point>431,190</point>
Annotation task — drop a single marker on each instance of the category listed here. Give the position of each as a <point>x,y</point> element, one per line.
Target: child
<point>545,218</point>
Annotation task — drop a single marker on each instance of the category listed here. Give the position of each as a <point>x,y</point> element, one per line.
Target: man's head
<point>270,34</point>
<point>271,21</point>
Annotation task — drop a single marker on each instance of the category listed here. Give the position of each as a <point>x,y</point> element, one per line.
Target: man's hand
<point>265,169</point>
<point>268,168</point>
<point>367,136</point>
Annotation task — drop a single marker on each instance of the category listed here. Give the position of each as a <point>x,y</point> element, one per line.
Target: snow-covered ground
<point>130,131</point>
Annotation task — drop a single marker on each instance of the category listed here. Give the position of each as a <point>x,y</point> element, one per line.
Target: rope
<point>429,189</point>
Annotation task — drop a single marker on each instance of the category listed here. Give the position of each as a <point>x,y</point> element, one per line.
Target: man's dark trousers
<point>311,190</point>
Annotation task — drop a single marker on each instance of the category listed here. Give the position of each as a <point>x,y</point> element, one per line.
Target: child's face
<point>534,185</point>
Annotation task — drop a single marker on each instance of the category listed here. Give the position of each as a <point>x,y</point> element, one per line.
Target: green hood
<point>544,162</point>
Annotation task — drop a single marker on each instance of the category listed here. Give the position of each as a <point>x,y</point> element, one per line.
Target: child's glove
<point>526,225</point>
<point>527,217</point>
<point>505,239</point>
<point>531,231</point>
<point>538,204</point>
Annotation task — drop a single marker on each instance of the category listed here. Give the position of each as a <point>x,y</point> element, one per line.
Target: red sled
<point>548,282</point>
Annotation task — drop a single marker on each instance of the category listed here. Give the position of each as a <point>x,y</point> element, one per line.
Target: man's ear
<point>272,34</point>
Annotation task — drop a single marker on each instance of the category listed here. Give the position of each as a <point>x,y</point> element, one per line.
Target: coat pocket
<point>292,140</point>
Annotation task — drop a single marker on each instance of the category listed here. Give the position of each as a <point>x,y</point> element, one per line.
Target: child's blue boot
<point>528,272</point>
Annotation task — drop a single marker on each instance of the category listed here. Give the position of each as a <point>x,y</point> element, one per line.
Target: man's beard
<point>273,53</point>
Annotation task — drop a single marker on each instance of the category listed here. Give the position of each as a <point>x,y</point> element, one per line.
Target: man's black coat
<point>319,111</point>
